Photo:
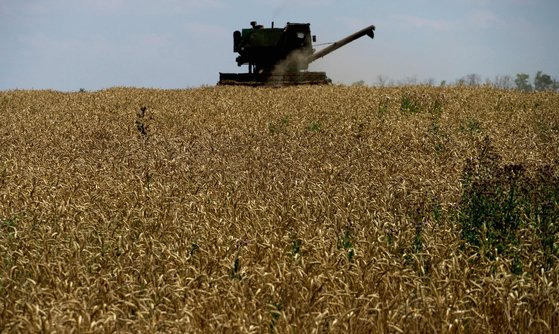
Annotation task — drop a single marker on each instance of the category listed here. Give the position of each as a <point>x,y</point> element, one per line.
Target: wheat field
<point>290,210</point>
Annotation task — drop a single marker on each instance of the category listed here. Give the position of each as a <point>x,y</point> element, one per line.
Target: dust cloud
<point>294,62</point>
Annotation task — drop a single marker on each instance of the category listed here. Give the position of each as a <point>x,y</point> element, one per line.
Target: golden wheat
<point>227,209</point>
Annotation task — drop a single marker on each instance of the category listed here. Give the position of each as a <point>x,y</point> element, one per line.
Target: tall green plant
<point>499,200</point>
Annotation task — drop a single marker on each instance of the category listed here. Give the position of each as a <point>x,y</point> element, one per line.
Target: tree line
<point>541,82</point>
<point>522,81</point>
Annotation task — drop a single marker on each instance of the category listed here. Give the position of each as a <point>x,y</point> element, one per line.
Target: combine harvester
<point>281,56</point>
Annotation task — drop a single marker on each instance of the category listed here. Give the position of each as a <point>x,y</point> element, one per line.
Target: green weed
<point>315,127</point>
<point>499,201</point>
<point>409,105</point>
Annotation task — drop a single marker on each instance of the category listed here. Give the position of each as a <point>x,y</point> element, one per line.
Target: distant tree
<point>522,82</point>
<point>543,82</point>
<point>503,82</point>
<point>472,79</point>
<point>409,81</point>
<point>382,80</point>
<point>358,83</point>
<point>443,83</point>
<point>430,82</point>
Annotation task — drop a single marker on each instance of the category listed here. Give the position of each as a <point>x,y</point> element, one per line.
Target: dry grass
<point>308,209</point>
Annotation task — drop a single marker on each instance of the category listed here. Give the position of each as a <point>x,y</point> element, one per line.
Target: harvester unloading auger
<point>281,56</point>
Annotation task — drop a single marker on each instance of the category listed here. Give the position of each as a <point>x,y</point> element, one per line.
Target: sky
<point>69,45</point>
